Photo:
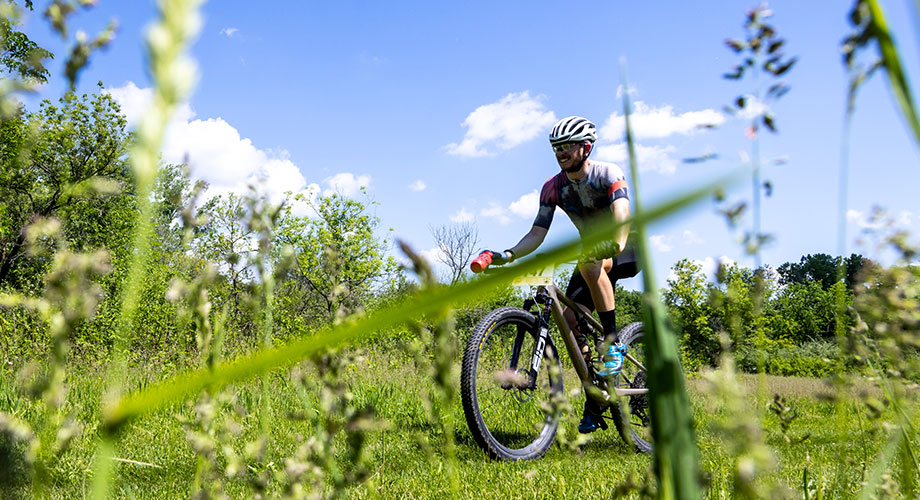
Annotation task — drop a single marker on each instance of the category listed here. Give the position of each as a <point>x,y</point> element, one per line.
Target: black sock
<point>609,322</point>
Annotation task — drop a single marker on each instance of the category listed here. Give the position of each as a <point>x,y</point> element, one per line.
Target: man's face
<point>570,155</point>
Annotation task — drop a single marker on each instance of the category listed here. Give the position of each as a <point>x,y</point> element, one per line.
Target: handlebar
<point>480,263</point>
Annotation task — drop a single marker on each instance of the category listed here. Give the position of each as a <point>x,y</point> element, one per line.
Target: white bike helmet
<point>573,129</point>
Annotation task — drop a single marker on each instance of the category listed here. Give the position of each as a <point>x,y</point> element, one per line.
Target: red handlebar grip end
<point>481,262</point>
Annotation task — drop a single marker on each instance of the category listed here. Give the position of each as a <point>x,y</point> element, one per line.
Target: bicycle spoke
<point>506,418</point>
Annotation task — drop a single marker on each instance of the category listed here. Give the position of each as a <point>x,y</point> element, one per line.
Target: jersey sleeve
<point>548,204</point>
<point>618,188</point>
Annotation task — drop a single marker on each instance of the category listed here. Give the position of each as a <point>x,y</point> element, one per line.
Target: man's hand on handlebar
<point>490,257</point>
<point>502,258</point>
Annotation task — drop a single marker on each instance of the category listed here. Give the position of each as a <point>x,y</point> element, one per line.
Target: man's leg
<point>601,287</point>
<point>595,275</point>
<point>578,291</point>
<point>581,335</point>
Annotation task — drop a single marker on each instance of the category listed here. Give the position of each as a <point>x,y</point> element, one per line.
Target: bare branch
<point>458,242</point>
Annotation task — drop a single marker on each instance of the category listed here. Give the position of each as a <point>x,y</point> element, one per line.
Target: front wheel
<point>502,400</point>
<point>632,420</point>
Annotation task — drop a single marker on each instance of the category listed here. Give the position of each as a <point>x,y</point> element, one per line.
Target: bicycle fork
<point>542,339</point>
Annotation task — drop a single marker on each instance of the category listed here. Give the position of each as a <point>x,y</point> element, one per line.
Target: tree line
<point>67,162</point>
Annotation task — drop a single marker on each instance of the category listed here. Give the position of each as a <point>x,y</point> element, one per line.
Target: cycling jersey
<point>583,199</point>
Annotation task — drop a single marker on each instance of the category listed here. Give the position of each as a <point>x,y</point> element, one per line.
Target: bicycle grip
<point>480,263</point>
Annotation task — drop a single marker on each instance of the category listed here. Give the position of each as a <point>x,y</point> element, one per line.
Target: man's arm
<point>620,209</point>
<point>532,240</point>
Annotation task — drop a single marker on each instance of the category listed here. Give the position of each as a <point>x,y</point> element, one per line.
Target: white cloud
<point>691,238</point>
<point>346,184</point>
<point>214,150</point>
<point>657,122</point>
<point>134,102</point>
<point>462,216</point>
<point>502,125</point>
<point>661,242</point>
<point>879,220</point>
<point>664,243</point>
<point>229,32</point>
<point>710,265</point>
<point>527,205</point>
<point>497,212</point>
<point>864,221</point>
<point>418,185</point>
<point>650,158</point>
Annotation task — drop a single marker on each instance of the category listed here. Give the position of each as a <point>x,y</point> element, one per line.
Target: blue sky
<point>441,109</point>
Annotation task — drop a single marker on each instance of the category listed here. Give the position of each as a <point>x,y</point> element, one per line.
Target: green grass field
<point>405,459</point>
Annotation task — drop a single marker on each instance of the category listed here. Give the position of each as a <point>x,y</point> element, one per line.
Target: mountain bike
<point>512,376</point>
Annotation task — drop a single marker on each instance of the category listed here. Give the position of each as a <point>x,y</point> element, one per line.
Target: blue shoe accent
<point>613,360</point>
<point>593,418</point>
<point>589,423</point>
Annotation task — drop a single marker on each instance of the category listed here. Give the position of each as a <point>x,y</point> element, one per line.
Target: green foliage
<point>629,306</point>
<point>791,317</point>
<point>67,161</point>
<point>70,297</point>
<point>822,268</point>
<point>692,314</point>
<point>676,456</point>
<point>20,57</point>
<point>340,263</point>
<point>803,311</point>
<point>815,358</point>
<point>871,28</point>
<point>226,240</point>
<point>57,13</point>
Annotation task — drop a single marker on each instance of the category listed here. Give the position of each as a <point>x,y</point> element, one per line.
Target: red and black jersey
<point>584,199</point>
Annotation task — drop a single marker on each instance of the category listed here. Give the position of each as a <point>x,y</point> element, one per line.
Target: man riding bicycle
<point>586,190</point>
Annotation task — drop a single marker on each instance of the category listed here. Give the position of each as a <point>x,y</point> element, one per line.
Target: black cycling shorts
<point>625,265</point>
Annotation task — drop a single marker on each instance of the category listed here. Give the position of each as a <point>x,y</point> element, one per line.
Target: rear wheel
<point>501,400</point>
<point>632,418</point>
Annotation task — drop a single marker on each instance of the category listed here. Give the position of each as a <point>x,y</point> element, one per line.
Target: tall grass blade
<point>882,461</point>
<point>892,61</point>
<point>676,454</point>
<point>173,76</point>
<point>898,442</point>
<point>908,473</point>
<point>189,383</point>
<point>805,491</point>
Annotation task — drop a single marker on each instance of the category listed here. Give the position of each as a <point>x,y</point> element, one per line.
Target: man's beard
<point>574,168</point>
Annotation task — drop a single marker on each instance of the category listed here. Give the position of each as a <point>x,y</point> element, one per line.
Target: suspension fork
<point>519,339</point>
<point>542,341</point>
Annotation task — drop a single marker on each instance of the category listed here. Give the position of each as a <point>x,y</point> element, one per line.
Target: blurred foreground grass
<point>154,459</point>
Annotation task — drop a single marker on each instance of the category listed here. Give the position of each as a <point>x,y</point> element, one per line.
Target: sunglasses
<point>565,146</point>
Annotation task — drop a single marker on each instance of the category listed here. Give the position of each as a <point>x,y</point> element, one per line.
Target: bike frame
<point>552,303</point>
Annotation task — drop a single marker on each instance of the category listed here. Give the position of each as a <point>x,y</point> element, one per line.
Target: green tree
<point>228,241</point>
<point>690,310</point>
<point>822,268</point>
<point>340,263</point>
<point>20,57</point>
<point>70,162</point>
<point>173,195</point>
<point>803,311</point>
